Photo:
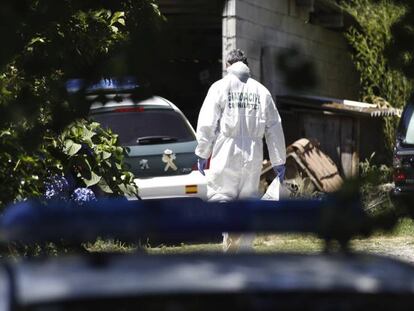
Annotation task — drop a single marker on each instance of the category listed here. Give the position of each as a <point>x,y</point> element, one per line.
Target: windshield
<point>146,127</point>
<point>407,126</point>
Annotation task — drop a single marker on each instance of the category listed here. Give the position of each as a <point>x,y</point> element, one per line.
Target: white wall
<point>264,28</point>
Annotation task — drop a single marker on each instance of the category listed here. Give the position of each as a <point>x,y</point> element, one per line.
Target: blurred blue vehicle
<point>200,281</point>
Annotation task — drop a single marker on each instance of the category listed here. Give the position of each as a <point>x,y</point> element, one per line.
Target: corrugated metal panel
<point>318,165</point>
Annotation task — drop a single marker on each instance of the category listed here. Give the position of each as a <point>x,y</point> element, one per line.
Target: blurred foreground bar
<point>33,222</point>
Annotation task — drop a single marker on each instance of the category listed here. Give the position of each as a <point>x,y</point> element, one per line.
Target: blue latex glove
<point>280,171</point>
<point>201,165</point>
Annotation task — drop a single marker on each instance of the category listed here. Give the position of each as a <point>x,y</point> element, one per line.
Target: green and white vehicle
<point>159,139</point>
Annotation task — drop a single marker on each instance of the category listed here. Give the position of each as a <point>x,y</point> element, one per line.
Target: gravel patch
<point>396,247</point>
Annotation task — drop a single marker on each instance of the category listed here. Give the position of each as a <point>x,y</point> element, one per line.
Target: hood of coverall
<point>240,70</point>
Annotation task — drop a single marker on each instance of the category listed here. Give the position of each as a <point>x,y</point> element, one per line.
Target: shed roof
<point>335,105</point>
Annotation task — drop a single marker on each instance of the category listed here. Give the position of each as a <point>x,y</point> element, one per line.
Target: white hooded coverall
<point>236,114</point>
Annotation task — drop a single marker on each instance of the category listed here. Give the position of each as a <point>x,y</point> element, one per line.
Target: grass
<point>110,246</point>
<point>405,227</point>
<point>397,243</point>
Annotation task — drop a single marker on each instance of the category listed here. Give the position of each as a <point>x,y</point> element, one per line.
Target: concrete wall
<point>266,29</point>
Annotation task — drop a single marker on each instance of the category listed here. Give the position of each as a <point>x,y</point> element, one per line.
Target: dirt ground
<point>399,247</point>
<point>396,247</point>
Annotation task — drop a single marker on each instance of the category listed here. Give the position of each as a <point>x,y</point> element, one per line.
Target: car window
<point>409,137</point>
<point>146,127</point>
<point>407,126</point>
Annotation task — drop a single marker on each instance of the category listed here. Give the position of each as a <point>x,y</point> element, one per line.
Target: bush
<point>375,186</point>
<point>379,82</point>
<point>47,43</point>
<point>84,153</point>
<point>95,159</point>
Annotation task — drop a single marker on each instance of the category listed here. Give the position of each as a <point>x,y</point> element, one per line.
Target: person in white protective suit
<point>236,114</point>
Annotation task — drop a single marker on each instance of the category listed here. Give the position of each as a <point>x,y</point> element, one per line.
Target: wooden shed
<point>347,131</point>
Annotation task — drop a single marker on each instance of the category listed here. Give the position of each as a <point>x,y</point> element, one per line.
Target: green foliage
<point>374,174</point>
<point>47,42</point>
<point>375,186</point>
<point>56,40</point>
<point>95,158</point>
<point>85,151</point>
<point>369,42</point>
<point>21,172</point>
<point>400,51</point>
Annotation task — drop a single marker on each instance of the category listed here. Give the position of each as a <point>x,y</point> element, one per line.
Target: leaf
<point>36,40</point>
<point>5,133</point>
<point>93,181</point>
<point>87,164</point>
<point>128,190</point>
<point>71,148</point>
<point>121,21</point>
<point>118,17</point>
<point>106,155</point>
<point>87,134</point>
<point>75,131</point>
<point>94,125</point>
<point>104,186</point>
